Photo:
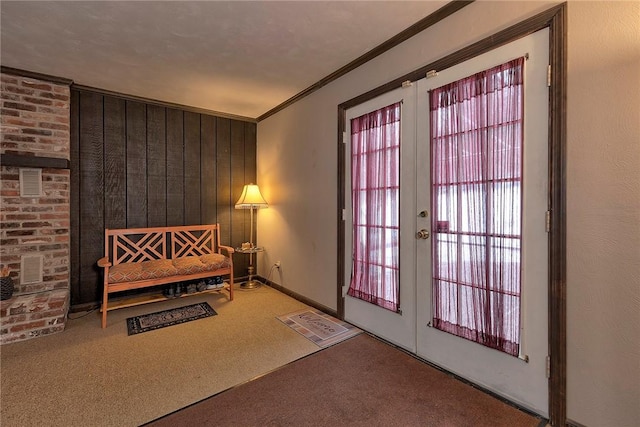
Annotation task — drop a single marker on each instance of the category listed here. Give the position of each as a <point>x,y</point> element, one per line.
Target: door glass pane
<point>375,169</point>
<point>476,145</point>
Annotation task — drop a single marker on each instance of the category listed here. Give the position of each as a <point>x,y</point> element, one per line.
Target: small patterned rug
<point>174,316</point>
<point>319,327</point>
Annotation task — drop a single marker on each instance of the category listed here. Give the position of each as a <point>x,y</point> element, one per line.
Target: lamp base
<point>251,284</point>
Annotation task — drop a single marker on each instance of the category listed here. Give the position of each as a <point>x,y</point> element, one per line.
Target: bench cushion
<point>215,261</point>
<point>156,269</point>
<point>189,265</point>
<point>132,271</point>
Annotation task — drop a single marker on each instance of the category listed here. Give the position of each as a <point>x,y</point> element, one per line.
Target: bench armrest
<point>104,262</point>
<point>229,249</point>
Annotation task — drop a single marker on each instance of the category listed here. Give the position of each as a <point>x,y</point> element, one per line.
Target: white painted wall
<point>603,223</point>
<point>297,172</point>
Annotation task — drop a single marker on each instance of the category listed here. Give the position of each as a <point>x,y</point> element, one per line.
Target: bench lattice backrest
<point>194,242</point>
<point>146,244</point>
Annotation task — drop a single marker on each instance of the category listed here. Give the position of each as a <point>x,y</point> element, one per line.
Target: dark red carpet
<point>359,382</point>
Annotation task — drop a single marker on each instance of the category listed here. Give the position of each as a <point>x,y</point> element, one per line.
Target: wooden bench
<point>143,257</point>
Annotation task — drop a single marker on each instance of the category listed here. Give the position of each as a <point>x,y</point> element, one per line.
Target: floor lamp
<point>251,199</point>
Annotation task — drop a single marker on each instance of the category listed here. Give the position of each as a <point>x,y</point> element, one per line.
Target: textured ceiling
<point>235,57</point>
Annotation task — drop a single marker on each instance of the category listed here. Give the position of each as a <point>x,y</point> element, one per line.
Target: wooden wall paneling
<point>91,155</point>
<point>115,163</point>
<point>208,183</point>
<point>224,204</point>
<point>74,196</point>
<point>192,168</point>
<point>250,170</point>
<point>136,164</point>
<point>175,168</point>
<point>238,179</point>
<point>250,161</point>
<point>156,167</point>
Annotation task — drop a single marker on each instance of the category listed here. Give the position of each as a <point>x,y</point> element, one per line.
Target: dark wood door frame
<point>555,19</point>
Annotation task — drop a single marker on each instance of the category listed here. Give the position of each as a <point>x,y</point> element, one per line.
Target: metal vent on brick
<point>30,182</point>
<point>31,269</point>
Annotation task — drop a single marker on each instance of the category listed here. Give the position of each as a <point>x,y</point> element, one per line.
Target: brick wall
<point>35,122</point>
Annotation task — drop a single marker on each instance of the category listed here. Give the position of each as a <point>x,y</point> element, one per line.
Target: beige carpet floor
<point>87,376</point>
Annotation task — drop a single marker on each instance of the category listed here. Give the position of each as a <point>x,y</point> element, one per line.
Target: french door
<point>398,324</point>
<point>520,377</point>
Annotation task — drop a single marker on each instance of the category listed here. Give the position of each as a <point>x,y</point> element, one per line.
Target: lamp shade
<point>251,198</point>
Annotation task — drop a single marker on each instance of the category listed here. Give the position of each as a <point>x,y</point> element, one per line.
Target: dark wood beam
<point>166,104</point>
<point>34,75</point>
<point>487,44</point>
<point>558,207</point>
<point>434,18</point>
<point>19,160</point>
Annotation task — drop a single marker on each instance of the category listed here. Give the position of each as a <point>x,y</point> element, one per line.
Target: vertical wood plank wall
<point>142,165</point>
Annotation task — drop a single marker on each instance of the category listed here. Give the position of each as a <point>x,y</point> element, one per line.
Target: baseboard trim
<point>90,306</point>
<point>299,297</point>
<point>238,281</point>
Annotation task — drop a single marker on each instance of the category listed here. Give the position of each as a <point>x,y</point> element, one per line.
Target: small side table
<point>250,283</point>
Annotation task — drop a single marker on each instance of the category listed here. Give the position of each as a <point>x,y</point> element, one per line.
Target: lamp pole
<point>251,269</point>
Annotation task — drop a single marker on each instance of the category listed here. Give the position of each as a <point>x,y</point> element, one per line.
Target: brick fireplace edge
<point>35,128</point>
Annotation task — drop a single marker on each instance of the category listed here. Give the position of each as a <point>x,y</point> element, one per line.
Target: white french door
<point>521,379</point>
<point>395,326</point>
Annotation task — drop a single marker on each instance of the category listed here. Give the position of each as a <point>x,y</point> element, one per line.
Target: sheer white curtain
<point>375,191</point>
<point>476,155</point>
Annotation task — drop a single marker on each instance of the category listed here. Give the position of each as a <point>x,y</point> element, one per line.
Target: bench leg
<point>105,299</point>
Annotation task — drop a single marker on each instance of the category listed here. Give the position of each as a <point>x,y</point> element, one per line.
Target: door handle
<point>422,234</point>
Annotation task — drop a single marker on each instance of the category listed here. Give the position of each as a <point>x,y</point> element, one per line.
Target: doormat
<point>319,327</point>
<point>174,316</point>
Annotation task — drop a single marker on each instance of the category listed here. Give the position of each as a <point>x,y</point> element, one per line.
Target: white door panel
<point>520,379</point>
<point>398,328</point>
